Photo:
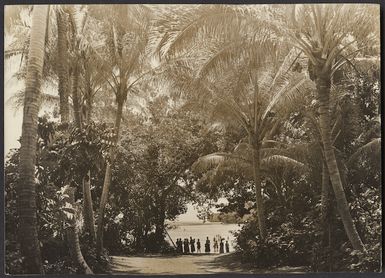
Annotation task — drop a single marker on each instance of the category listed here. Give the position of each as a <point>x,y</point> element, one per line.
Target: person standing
<point>221,247</point>
<point>198,246</point>
<point>186,247</point>
<point>207,245</point>
<point>215,246</point>
<point>192,244</point>
<point>227,246</point>
<point>177,245</point>
<point>180,245</point>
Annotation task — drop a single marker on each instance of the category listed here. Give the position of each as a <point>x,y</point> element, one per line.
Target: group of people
<point>188,246</point>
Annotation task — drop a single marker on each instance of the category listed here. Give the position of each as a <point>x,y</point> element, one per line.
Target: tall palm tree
<point>237,43</point>
<point>255,99</point>
<point>87,76</point>
<point>68,28</point>
<point>330,36</point>
<point>28,237</point>
<point>126,40</point>
<point>90,74</point>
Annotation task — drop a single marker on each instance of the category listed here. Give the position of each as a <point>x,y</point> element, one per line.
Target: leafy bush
<point>287,246</point>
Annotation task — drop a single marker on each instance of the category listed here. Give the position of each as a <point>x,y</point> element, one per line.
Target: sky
<point>12,117</point>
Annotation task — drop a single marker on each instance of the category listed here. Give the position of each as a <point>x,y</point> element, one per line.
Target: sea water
<point>201,231</point>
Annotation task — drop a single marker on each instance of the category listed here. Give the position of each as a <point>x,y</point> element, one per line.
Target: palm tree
<point>234,53</point>
<point>87,76</point>
<point>330,36</point>
<point>29,243</point>
<point>127,35</point>
<point>256,100</point>
<point>89,71</point>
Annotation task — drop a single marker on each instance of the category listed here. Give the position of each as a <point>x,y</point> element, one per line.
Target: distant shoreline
<point>187,223</point>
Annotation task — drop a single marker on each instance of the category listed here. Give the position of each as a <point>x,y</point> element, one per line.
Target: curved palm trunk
<point>88,210</point>
<point>323,89</point>
<point>28,237</point>
<point>107,183</point>
<point>73,237</point>
<point>62,66</point>
<point>258,192</point>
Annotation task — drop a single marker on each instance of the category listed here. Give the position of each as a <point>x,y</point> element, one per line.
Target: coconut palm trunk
<point>326,216</point>
<point>323,83</point>
<point>28,236</point>
<point>73,237</point>
<point>325,200</point>
<point>62,66</point>
<point>258,190</point>
<point>107,182</point>
<point>88,210</point>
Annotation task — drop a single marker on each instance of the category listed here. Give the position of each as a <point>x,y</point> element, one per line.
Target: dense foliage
<point>158,108</point>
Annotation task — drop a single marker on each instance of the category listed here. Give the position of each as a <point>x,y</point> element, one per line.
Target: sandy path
<point>187,264</point>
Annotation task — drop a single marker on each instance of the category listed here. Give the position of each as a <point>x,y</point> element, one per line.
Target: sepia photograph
<point>177,139</point>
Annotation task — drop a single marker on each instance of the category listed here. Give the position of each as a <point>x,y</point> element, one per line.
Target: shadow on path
<point>233,263</point>
<point>190,264</point>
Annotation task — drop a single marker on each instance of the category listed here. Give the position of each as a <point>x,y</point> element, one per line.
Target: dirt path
<point>186,264</point>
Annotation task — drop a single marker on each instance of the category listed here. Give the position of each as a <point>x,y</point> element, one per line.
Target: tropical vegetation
<point>153,107</point>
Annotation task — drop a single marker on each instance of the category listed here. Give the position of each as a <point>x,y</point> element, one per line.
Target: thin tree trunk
<point>325,199</point>
<point>62,65</point>
<point>88,210</point>
<point>73,238</point>
<point>323,89</point>
<point>325,217</point>
<point>75,96</point>
<point>258,192</point>
<point>107,183</point>
<point>88,96</point>
<point>89,110</point>
<point>28,236</point>
<point>330,253</point>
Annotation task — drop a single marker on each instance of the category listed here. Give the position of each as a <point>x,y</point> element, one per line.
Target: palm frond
<point>212,160</point>
<point>17,100</point>
<point>372,148</point>
<point>281,161</point>
<point>286,99</point>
